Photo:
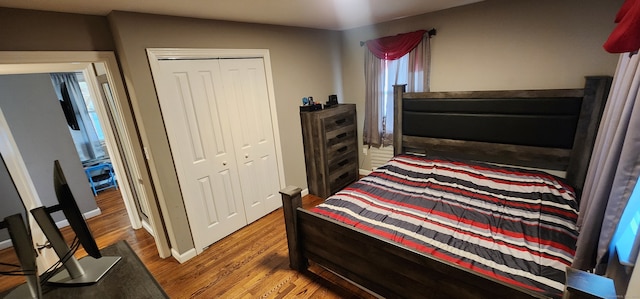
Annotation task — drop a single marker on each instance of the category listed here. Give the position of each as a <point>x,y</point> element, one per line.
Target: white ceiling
<point>323,14</point>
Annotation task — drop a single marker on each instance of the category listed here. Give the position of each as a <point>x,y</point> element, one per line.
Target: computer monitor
<point>21,241</point>
<point>87,270</point>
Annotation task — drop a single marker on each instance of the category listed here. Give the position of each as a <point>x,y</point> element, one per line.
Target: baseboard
<point>364,172</point>
<point>304,192</point>
<point>87,215</point>
<point>5,244</point>
<point>60,224</point>
<point>148,228</point>
<point>181,258</point>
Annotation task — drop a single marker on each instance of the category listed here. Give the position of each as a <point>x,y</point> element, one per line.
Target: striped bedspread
<point>514,225</point>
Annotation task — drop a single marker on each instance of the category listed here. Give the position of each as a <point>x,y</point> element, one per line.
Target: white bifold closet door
<point>218,120</point>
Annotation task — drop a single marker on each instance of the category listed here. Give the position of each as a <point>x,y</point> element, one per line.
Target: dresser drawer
<point>336,164</point>
<point>339,120</point>
<point>342,178</point>
<point>340,149</point>
<point>341,134</point>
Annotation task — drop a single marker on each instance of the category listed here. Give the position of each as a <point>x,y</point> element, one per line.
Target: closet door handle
<point>224,163</point>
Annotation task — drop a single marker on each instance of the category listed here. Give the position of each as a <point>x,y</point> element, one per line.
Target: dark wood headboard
<point>548,129</point>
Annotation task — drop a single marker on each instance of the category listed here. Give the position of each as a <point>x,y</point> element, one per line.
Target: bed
<point>491,139</point>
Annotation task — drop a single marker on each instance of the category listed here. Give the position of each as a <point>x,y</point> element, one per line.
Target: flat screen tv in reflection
<point>67,107</point>
<point>87,270</point>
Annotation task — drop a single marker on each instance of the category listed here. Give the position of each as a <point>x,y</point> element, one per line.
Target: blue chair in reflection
<point>101,177</point>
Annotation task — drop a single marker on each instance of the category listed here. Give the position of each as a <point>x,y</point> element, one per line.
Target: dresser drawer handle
<point>341,121</point>
<point>343,162</point>
<point>344,175</point>
<point>342,149</point>
<point>340,136</point>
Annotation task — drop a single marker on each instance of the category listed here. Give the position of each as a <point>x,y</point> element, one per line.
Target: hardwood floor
<point>251,263</point>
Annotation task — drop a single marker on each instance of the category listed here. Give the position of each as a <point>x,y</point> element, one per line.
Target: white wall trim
<point>60,224</point>
<point>116,156</point>
<point>181,258</point>
<point>148,228</point>
<point>304,192</point>
<point>5,244</point>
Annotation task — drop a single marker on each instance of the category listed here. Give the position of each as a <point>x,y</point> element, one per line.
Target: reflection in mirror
<point>17,256</point>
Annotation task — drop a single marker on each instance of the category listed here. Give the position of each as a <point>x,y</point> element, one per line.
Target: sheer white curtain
<point>614,166</point>
<point>380,76</point>
<point>86,139</point>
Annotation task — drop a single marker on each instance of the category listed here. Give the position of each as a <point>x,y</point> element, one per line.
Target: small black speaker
<point>333,100</point>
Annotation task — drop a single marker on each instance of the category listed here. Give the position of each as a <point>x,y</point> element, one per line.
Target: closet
<point>218,121</point>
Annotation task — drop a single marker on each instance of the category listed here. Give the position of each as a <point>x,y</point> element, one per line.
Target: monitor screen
<point>68,206</point>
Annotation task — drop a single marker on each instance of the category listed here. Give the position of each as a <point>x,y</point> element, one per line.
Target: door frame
<point>21,62</point>
<point>156,54</point>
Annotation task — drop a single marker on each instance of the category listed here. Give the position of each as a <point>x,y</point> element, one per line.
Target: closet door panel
<point>202,148</point>
<point>247,96</point>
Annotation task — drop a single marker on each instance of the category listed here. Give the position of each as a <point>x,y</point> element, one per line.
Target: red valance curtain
<point>394,47</point>
<point>626,36</point>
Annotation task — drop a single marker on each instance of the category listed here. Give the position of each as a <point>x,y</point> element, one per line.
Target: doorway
<point>112,110</point>
<point>87,129</point>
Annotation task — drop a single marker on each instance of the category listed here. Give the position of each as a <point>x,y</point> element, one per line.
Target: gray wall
<point>304,62</point>
<point>10,202</point>
<point>37,124</point>
<point>498,44</point>
<point>31,30</point>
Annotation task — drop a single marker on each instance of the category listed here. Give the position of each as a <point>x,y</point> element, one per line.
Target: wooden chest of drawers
<point>330,148</point>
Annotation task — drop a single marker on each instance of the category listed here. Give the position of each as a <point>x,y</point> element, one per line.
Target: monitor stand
<point>94,269</point>
<point>23,246</point>
<point>82,272</point>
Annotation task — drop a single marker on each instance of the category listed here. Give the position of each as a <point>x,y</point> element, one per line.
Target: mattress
<point>514,225</point>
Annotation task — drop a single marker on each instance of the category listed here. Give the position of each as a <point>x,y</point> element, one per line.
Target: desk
<point>129,278</point>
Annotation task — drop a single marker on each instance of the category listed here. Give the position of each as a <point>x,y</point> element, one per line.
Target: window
<point>400,59</point>
<point>93,114</point>
<point>395,72</point>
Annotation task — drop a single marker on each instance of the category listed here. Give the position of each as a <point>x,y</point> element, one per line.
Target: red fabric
<point>626,6</point>
<point>394,47</point>
<point>626,36</point>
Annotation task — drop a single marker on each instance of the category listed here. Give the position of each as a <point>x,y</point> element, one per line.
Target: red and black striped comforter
<point>514,225</point>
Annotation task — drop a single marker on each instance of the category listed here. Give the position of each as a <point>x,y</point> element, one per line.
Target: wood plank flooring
<point>251,263</point>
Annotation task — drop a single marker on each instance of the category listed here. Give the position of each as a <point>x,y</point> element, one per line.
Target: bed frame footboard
<point>377,264</point>
<point>291,201</point>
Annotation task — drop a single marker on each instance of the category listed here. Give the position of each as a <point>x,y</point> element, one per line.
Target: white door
<point>245,91</point>
<point>196,122</point>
